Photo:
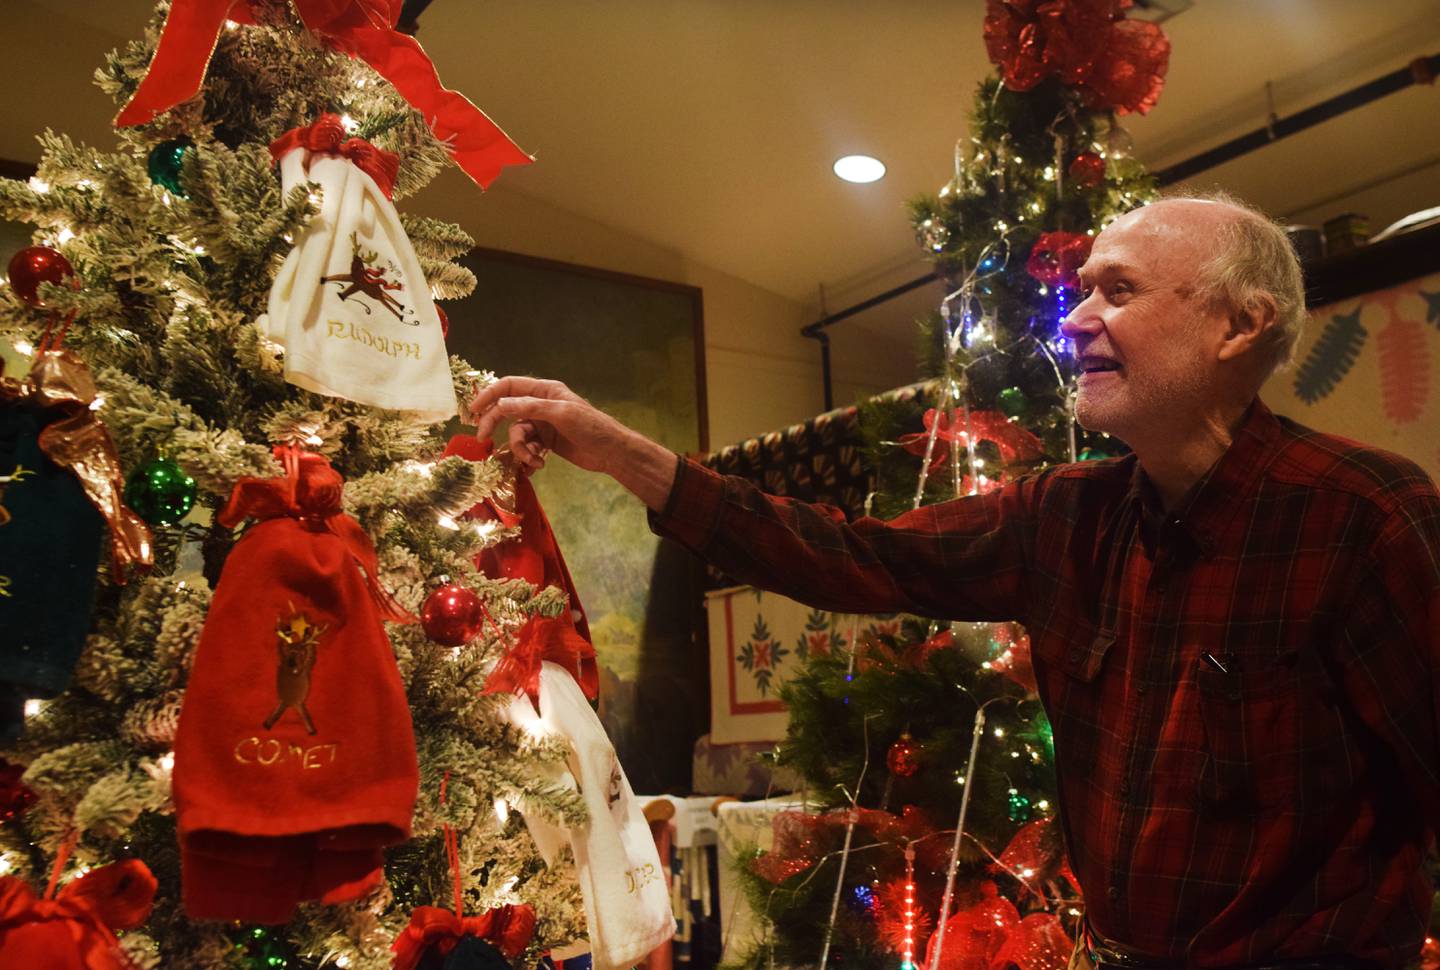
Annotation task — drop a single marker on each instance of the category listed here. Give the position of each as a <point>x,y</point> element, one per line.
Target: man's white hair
<point>1255,261</point>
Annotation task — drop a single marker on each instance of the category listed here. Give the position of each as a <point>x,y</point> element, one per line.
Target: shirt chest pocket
<point>1270,742</point>
<point>1077,684</point>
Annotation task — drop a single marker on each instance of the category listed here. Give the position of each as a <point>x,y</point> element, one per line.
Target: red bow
<point>360,28</point>
<point>509,928</point>
<point>1088,44</point>
<point>311,490</point>
<point>1014,442</point>
<point>534,557</point>
<point>76,930</point>
<point>327,137</point>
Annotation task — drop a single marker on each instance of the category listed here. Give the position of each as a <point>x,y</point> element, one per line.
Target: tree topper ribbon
<point>508,928</point>
<point>80,444</point>
<point>360,28</point>
<point>81,920</point>
<point>327,137</point>
<point>311,490</point>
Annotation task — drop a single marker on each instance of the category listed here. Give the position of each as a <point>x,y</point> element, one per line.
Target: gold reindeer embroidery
<point>296,641</point>
<point>19,473</point>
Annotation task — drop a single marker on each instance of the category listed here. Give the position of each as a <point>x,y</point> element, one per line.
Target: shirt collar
<point>1214,500</point>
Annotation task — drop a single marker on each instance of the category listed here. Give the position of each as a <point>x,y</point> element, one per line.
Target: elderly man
<point>1235,629</point>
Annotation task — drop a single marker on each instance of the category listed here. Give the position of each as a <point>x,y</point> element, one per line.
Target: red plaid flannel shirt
<point>1277,808</point>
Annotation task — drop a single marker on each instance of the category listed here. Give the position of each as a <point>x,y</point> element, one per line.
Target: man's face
<point>1141,334</point>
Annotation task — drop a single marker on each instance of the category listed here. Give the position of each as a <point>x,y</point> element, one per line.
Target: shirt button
<point>1113,894</point>
<point>1076,655</point>
<point>1141,687</point>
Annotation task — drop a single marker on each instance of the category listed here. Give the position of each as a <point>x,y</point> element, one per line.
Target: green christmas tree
<point>887,726</point>
<point>174,235</point>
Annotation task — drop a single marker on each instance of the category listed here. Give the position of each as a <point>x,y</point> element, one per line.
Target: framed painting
<point>634,347</point>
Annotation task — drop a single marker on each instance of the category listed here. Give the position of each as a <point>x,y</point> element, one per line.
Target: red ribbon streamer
<point>359,28</point>
<point>509,928</point>
<point>311,490</point>
<point>327,137</point>
<point>544,638</point>
<point>82,920</point>
<point>534,557</point>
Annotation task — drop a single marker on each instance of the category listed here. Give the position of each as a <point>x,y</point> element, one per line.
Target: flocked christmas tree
<point>882,727</point>
<point>153,265</point>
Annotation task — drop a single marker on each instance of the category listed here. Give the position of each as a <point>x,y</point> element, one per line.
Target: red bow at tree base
<point>75,930</point>
<point>437,939</point>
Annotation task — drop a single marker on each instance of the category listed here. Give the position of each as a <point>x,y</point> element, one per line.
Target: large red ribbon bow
<point>327,137</point>
<point>75,930</point>
<point>311,490</point>
<point>360,28</point>
<point>508,928</point>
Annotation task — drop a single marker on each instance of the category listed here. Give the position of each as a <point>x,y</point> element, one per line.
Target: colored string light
<point>907,954</point>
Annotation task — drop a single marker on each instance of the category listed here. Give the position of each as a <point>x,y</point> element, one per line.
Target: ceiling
<point>708,127</point>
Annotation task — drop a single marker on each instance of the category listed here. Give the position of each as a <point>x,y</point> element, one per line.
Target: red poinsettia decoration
<point>1088,44</point>
<point>1056,258</point>
<point>956,430</point>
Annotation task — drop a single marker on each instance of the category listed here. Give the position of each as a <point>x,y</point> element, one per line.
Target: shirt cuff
<point>692,511</point>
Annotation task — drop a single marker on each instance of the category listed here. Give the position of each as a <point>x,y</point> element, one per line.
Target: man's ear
<point>1247,326</point>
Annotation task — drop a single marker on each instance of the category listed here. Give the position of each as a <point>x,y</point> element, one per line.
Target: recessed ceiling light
<point>859,168</point>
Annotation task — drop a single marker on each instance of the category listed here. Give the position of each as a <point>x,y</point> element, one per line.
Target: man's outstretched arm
<point>964,559</point>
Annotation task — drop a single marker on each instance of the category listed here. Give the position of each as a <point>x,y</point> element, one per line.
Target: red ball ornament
<point>15,798</point>
<point>1088,169</point>
<point>444,322</point>
<point>34,265</point>
<point>452,615</point>
<point>903,756</point>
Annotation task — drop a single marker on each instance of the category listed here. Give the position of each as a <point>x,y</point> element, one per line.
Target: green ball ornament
<point>165,163</point>
<point>160,492</point>
<point>1012,401</point>
<point>1094,454</point>
<point>1018,808</point>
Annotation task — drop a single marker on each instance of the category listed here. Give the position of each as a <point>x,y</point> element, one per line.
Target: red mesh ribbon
<point>802,838</point>
<point>508,928</point>
<point>327,137</point>
<point>1039,942</point>
<point>311,491</point>
<point>975,936</point>
<point>1014,442</point>
<point>75,930</point>
<point>1088,44</point>
<point>359,28</point>
<point>534,557</point>
<point>1056,258</point>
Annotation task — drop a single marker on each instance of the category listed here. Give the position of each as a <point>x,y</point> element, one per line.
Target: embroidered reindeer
<point>296,640</point>
<point>19,473</point>
<point>368,281</point>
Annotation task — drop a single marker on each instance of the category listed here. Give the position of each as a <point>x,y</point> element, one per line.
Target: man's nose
<point>1082,319</point>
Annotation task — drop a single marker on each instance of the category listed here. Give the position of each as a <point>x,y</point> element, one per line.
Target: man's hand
<point>547,416</point>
